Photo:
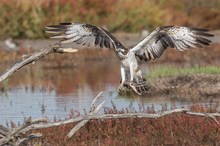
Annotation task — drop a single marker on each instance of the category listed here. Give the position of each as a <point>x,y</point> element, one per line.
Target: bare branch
<point>209,115</point>
<point>126,115</point>
<point>12,135</point>
<point>25,60</point>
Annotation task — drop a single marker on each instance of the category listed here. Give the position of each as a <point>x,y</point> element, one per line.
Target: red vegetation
<point>175,129</point>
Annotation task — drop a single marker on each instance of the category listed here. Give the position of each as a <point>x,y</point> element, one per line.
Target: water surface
<point>42,91</point>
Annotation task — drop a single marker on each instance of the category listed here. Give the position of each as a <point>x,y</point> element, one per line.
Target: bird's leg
<point>131,72</point>
<point>131,84</point>
<point>123,77</point>
<point>122,86</point>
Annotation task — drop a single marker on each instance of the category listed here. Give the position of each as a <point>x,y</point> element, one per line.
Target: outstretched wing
<point>84,34</point>
<point>181,38</point>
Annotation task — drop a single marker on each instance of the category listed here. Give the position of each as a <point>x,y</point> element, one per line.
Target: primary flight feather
<point>150,48</point>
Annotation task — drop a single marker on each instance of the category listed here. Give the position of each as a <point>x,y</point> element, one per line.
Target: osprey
<point>150,48</point>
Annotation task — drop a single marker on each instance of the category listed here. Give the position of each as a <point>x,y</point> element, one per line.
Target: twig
<point>94,100</point>
<point>83,122</point>
<point>94,110</point>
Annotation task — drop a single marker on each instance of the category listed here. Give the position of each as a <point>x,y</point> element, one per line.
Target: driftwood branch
<point>12,136</point>
<point>27,59</point>
<point>126,115</point>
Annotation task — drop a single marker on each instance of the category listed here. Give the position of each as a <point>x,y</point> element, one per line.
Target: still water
<point>40,91</point>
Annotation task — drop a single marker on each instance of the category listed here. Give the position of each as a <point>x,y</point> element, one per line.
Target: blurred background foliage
<point>27,18</point>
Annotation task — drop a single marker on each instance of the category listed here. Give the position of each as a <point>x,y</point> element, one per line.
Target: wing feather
<point>181,38</point>
<point>84,34</point>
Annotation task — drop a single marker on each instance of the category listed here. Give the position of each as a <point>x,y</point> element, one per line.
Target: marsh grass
<point>169,71</point>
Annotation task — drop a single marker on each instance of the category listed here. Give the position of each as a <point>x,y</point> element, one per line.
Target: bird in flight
<point>150,48</point>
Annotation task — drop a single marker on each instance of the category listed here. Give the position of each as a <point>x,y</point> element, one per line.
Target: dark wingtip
<point>204,34</point>
<point>53,27</point>
<point>66,23</point>
<point>211,35</point>
<point>199,29</point>
<point>164,27</point>
<point>59,26</point>
<point>203,41</point>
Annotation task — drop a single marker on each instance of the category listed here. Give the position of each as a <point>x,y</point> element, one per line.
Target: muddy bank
<point>188,86</point>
